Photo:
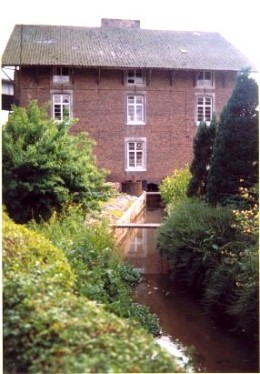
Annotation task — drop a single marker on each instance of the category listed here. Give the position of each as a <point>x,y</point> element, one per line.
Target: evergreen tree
<point>45,168</point>
<point>235,153</point>
<point>202,152</point>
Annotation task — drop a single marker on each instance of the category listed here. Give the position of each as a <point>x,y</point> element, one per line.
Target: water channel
<point>186,330</point>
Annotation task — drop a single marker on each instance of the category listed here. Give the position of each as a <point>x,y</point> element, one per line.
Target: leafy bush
<point>27,252</point>
<point>45,168</point>
<point>191,239</point>
<point>245,303</point>
<point>208,252</point>
<point>174,187</point>
<point>100,273</point>
<point>232,290</point>
<point>47,328</point>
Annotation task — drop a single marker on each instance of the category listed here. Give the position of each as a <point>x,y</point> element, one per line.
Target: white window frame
<point>133,163</point>
<point>135,77</point>
<point>61,75</point>
<point>135,109</point>
<point>205,79</point>
<point>204,106</point>
<point>61,102</point>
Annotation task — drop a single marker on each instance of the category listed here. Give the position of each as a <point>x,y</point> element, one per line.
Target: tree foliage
<point>45,168</point>
<point>202,154</point>
<point>173,188</point>
<point>235,154</point>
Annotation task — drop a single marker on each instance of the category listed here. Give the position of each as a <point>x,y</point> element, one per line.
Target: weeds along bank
<point>100,273</point>
<point>64,288</point>
<point>215,252</point>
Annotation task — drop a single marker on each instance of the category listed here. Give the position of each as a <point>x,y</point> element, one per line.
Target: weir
<point>134,218</point>
<point>136,225</point>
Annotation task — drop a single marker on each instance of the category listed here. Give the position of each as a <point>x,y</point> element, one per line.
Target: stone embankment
<point>122,208</point>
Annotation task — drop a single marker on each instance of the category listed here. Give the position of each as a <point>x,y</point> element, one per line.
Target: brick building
<point>139,93</point>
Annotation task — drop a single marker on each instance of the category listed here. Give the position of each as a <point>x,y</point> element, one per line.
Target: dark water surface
<point>182,319</point>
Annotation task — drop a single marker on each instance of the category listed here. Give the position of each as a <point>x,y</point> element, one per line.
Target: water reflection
<point>176,350</point>
<point>183,321</point>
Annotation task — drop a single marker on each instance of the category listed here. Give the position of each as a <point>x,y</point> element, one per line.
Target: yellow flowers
<point>247,220</point>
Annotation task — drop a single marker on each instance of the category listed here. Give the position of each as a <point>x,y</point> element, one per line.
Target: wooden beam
<point>123,77</point>
<point>194,78</point>
<point>172,76</point>
<point>98,75</point>
<point>137,225</point>
<point>224,76</point>
<point>148,77</point>
<point>36,76</point>
<point>72,74</point>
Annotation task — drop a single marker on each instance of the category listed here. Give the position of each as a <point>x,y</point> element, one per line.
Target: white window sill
<point>135,84</point>
<point>204,87</point>
<point>61,80</point>
<point>207,122</point>
<point>135,123</point>
<point>135,169</point>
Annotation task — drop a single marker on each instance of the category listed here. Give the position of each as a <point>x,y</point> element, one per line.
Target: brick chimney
<point>122,23</point>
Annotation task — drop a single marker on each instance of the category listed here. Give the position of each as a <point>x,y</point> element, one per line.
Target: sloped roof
<point>120,48</point>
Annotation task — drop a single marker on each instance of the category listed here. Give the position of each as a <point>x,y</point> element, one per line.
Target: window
<point>204,79</point>
<point>204,109</point>
<point>61,107</point>
<point>136,154</point>
<point>135,109</point>
<point>61,75</point>
<point>135,77</point>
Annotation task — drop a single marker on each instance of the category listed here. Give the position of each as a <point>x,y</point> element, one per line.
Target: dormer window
<point>135,77</point>
<point>61,75</point>
<point>205,79</point>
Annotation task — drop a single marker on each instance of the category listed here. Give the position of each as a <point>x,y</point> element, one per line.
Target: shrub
<point>174,187</point>
<point>208,251</point>
<point>232,291</point>
<point>244,306</point>
<point>44,167</point>
<point>191,239</point>
<point>47,328</point>
<point>100,273</point>
<point>25,252</point>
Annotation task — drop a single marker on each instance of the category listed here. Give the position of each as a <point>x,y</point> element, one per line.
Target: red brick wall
<point>99,103</point>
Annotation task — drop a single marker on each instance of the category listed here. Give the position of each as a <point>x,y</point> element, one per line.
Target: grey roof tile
<point>121,48</point>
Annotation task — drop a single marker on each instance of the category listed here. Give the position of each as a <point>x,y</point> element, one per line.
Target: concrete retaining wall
<point>133,214</point>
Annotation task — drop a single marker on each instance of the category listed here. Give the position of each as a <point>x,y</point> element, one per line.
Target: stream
<point>187,332</point>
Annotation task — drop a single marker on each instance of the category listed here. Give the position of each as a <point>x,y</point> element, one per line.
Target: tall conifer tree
<point>235,153</point>
<point>202,153</point>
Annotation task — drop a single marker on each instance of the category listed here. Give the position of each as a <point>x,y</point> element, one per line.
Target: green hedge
<point>208,252</point>
<point>48,328</point>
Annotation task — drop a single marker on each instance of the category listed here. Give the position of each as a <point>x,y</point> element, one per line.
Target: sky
<point>236,20</point>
